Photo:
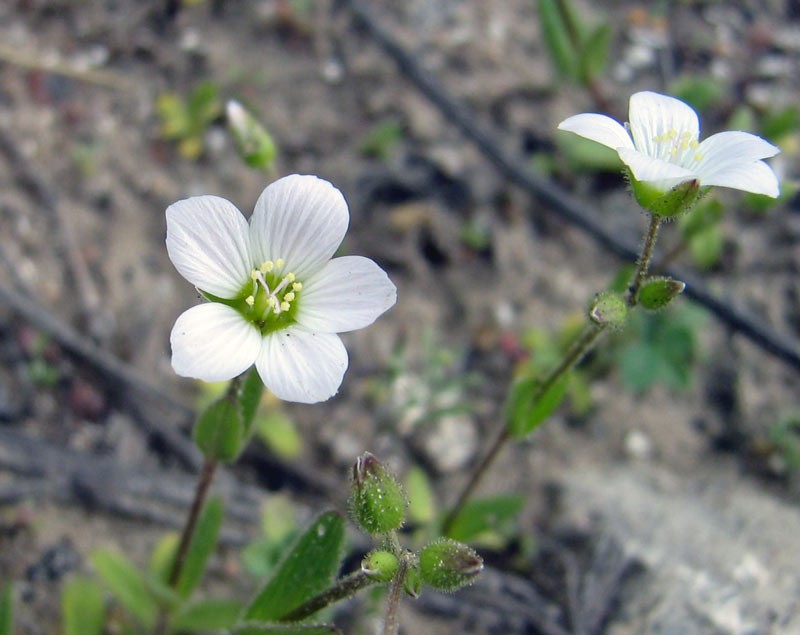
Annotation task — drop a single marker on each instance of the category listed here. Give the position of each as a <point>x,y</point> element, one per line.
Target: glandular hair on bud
<point>380,565</point>
<point>609,310</point>
<point>447,564</point>
<point>656,293</point>
<point>377,502</point>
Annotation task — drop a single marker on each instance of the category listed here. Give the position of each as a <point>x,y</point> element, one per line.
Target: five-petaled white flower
<point>661,148</point>
<point>277,300</point>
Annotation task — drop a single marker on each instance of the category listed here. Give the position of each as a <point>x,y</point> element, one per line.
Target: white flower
<point>277,298</point>
<point>660,146</point>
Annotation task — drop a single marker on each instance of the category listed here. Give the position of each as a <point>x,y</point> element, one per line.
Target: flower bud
<point>380,565</point>
<point>447,564</point>
<point>656,293</point>
<point>667,204</point>
<point>609,310</point>
<point>377,502</point>
<point>252,140</point>
<point>412,585</point>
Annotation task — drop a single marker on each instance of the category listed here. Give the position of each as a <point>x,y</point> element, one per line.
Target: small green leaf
<point>594,56</point>
<point>640,363</point>
<point>484,514</point>
<point>249,398</point>
<point>523,413</point>
<point>7,609</point>
<point>279,434</point>
<point>202,545</point>
<point>162,556</point>
<point>127,584</point>
<point>379,141</point>
<point>285,629</point>
<point>207,615</point>
<point>307,570</point>
<point>255,144</point>
<point>556,38</point>
<point>421,499</point>
<point>83,608</point>
<point>218,432</point>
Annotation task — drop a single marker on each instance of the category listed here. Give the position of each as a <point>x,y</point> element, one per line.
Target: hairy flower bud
<point>377,502</point>
<point>447,564</point>
<point>380,565</point>
<point>609,310</point>
<point>656,293</point>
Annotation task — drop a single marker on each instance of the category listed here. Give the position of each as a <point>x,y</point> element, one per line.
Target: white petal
<point>303,366</point>
<point>299,218</point>
<point>213,342</point>
<point>730,150</point>
<point>598,128</point>
<point>208,242</point>
<point>756,177</point>
<point>349,293</point>
<point>648,169</point>
<point>653,115</point>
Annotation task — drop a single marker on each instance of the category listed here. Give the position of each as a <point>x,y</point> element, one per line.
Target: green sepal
<point>447,565</point>
<point>377,502</point>
<point>656,293</point>
<point>671,203</point>
<point>219,432</point>
<point>308,569</point>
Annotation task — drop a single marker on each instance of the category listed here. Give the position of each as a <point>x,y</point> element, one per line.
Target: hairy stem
<point>391,624</point>
<point>644,259</point>
<point>582,345</point>
<point>343,588</point>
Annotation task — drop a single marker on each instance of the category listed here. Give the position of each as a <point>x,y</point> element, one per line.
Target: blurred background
<point>662,495</point>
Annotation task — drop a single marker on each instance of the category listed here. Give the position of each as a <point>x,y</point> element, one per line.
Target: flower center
<point>680,148</point>
<point>272,302</point>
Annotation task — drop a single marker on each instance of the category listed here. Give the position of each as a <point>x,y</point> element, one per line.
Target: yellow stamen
<point>289,296</point>
<point>693,144</point>
<point>267,266</point>
<point>250,300</point>
<point>254,274</point>
<point>698,156</point>
<point>284,306</point>
<point>280,262</point>
<point>297,286</point>
<point>290,277</point>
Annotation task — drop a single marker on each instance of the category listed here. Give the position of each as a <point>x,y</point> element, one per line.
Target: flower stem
<point>343,588</point>
<point>644,259</point>
<point>200,493</point>
<point>582,345</point>
<point>391,623</point>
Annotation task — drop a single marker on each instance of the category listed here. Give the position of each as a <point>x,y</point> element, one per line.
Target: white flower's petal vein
<point>349,293</point>
<point>756,177</point>
<point>598,128</point>
<point>302,366</point>
<point>653,115</point>
<point>208,242</point>
<point>213,342</point>
<point>299,218</point>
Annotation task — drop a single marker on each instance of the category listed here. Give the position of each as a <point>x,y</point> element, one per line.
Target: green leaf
<point>523,414</point>
<point>203,105</point>
<point>279,434</point>
<point>249,398</point>
<point>285,629</point>
<point>218,432</point>
<point>207,615</point>
<point>484,514</point>
<point>379,141</point>
<point>83,608</point>
<point>421,499</point>
<point>594,55</point>
<point>706,247</point>
<point>556,38</point>
<point>7,609</point>
<point>307,570</point>
<point>162,556</point>
<point>780,123</point>
<point>127,584</point>
<point>200,548</point>
<point>640,364</point>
